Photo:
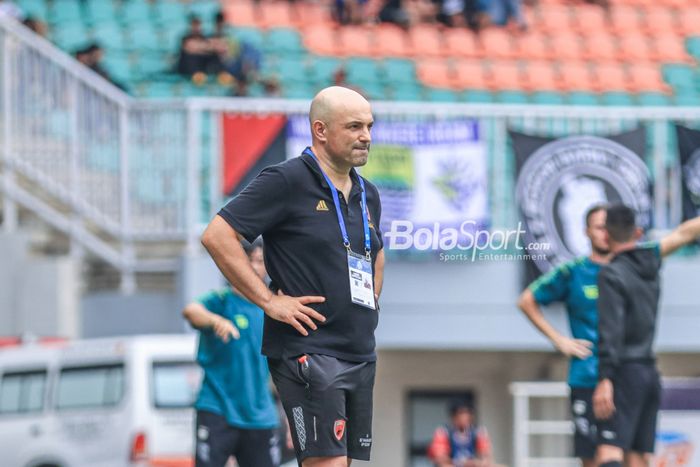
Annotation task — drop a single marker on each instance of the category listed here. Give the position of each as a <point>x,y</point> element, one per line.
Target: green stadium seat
<point>192,90</point>
<point>653,98</point>
<point>167,12</point>
<point>256,90</point>
<point>143,38</point>
<point>512,97</point>
<point>547,98</point>
<point>617,98</point>
<point>136,12</point>
<point>399,71</point>
<point>363,71</point>
<point>118,67</point>
<point>70,37</point>
<point>693,46</point>
<point>322,68</point>
<point>110,37</point>
<point>65,12</point>
<point>298,91</point>
<point>687,99</point>
<point>289,70</point>
<point>205,9</point>
<point>99,11</point>
<point>172,36</point>
<point>441,95</point>
<point>679,76</point>
<point>406,92</point>
<point>475,96</point>
<point>283,41</point>
<point>251,36</point>
<point>149,65</point>
<point>374,90</point>
<point>583,98</point>
<point>35,9</point>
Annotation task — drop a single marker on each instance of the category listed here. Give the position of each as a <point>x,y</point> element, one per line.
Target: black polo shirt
<point>291,206</point>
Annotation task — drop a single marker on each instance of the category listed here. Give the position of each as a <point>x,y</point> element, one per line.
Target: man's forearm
<point>379,273</point>
<point>531,309</point>
<point>198,316</point>
<point>222,243</point>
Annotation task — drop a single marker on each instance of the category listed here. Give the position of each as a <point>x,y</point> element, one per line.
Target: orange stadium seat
<point>355,40</point>
<point>321,39</point>
<point>469,74</point>
<point>554,18</point>
<point>505,75</point>
<point>589,19</point>
<point>624,19</point>
<point>576,76</point>
<point>541,76</point>
<point>497,43</point>
<point>426,41</point>
<point>277,15</point>
<point>434,72</point>
<point>610,77</point>
<point>670,48</point>
<point>391,41</point>
<point>460,42</point>
<point>689,20</point>
<point>600,46</point>
<point>658,20</point>
<point>566,46</point>
<point>533,45</point>
<point>242,13</point>
<point>634,47</point>
<point>646,77</point>
<point>312,13</point>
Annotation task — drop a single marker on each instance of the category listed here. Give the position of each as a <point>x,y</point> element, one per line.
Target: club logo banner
<point>559,180</point>
<point>431,175</point>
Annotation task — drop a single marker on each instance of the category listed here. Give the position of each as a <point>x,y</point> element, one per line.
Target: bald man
<point>324,255</point>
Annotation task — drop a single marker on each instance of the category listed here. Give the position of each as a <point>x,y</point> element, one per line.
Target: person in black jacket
<point>626,399</point>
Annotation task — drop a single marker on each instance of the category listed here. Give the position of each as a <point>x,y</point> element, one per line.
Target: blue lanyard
<point>339,212</point>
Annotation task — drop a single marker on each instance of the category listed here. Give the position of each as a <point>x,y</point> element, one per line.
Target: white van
<point>99,402</point>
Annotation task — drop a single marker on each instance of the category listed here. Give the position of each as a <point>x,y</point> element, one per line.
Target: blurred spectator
<point>461,443</point>
<point>393,12</point>
<point>349,11</point>
<point>238,58</point>
<point>196,53</point>
<point>502,11</point>
<point>39,27</point>
<point>91,57</point>
<point>272,88</point>
<point>10,9</point>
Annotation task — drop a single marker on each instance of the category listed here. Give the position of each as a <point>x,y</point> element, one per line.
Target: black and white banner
<point>689,152</point>
<point>558,180</point>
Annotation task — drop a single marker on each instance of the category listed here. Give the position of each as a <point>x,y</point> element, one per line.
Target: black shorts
<point>328,403</point>
<point>584,422</point>
<point>637,396</point>
<point>216,441</point>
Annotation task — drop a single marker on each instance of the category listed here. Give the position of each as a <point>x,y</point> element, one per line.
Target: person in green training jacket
<point>236,413</point>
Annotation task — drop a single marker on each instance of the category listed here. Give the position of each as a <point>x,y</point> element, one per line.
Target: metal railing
<point>118,174</point>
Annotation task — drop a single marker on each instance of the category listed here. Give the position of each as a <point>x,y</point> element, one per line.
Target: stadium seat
<point>172,37</point>
<point>278,14</point>
<point>658,20</point>
<point>321,39</point>
<point>298,91</point>
<point>143,38</point>
<point>399,71</point>
<point>284,41</point>
<point>653,98</point>
<point>576,76</point>
<point>149,65</point>
<point>689,20</point>
<point>406,92</point>
<point>475,96</point>
<point>312,13</point>
<point>135,12</point>
<point>470,74</point>
<point>634,47</point>
<point>323,68</point>
<point>680,77</point>
<point>363,70</point>
<point>554,19</point>
<point>512,97</point>
<point>497,43</point>
<point>426,41</point>
<point>583,98</point>
<point>242,13</point>
<point>435,72</point>
<point>687,99</point>
<point>600,46</point>
<point>70,37</point>
<point>610,77</point>
<point>616,98</point>
<point>567,46</point>
<point>533,45</point>
<point>205,9</point>
<point>166,12</point>
<point>540,75</point>
<point>460,43</point>
<point>99,11</point>
<point>251,36</point>
<point>625,19</point>
<point>355,40</point>
<point>646,77</point>
<point>669,48</point>
<point>547,98</point>
<point>589,19</point>
<point>35,9</point>
<point>391,41</point>
<point>64,12</point>
<point>504,75</point>
<point>374,90</point>
<point>441,95</point>
<point>693,46</point>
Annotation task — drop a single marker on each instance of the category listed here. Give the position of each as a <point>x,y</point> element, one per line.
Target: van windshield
<point>175,384</point>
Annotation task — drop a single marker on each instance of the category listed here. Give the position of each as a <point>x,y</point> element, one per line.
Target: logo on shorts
<point>299,426</point>
<point>339,429</point>
<point>607,434</point>
<point>579,407</point>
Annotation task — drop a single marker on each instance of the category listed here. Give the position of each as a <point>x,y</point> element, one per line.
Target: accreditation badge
<point>361,281</point>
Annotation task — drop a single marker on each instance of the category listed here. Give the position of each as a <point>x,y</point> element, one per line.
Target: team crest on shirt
<point>590,292</point>
<point>339,429</point>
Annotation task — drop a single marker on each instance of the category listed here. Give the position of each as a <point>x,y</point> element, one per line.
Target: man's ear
<point>319,130</point>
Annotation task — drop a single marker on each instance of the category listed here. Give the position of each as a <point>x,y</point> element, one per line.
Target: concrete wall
<point>38,295</point>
